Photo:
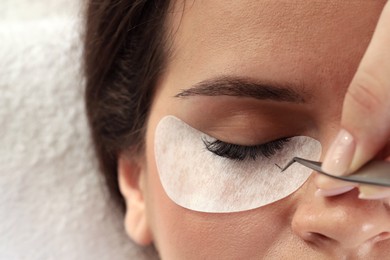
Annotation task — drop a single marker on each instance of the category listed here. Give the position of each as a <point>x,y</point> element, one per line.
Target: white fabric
<point>52,204</point>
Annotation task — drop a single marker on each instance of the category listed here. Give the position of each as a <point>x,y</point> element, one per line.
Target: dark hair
<point>124,54</point>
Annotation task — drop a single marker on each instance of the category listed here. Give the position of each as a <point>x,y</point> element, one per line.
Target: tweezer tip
<point>281,169</point>
<point>287,165</point>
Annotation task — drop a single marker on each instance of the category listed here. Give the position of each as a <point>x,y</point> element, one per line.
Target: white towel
<point>52,204</point>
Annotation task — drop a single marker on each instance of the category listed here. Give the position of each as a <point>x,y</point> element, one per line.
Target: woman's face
<point>312,47</point>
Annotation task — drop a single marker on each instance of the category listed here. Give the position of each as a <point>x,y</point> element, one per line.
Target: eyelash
<point>241,152</point>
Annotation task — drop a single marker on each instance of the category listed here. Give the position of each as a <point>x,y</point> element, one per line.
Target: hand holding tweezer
<point>375,172</point>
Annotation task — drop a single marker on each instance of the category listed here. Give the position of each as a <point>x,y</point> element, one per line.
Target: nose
<point>344,221</point>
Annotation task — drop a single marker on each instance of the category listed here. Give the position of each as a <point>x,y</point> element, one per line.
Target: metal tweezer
<point>374,172</point>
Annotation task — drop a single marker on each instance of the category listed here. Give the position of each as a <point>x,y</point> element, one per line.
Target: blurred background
<point>52,203</point>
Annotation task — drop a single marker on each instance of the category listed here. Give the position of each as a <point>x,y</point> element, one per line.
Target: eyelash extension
<point>241,152</point>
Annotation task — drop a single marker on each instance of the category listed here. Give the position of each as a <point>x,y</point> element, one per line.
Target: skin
<point>313,46</point>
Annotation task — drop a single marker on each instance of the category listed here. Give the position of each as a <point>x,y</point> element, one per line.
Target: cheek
<point>180,233</point>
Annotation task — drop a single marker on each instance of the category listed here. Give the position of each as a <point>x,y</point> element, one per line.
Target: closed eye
<point>241,152</point>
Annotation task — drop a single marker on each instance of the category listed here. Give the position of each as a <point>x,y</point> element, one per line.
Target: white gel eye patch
<point>198,179</point>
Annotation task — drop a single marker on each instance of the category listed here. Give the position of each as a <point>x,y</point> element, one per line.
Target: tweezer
<point>374,172</point>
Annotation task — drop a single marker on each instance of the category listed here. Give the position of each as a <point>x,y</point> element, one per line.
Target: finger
<point>366,110</point>
<point>373,192</point>
<point>384,154</point>
<point>327,186</point>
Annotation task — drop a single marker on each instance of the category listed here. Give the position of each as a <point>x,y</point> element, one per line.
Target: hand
<point>365,123</point>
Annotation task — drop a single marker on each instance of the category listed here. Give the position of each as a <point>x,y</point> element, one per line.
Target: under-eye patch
<point>207,175</point>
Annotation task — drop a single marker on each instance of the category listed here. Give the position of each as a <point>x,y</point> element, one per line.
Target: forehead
<point>289,39</point>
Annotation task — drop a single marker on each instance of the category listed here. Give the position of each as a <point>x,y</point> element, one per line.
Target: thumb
<point>366,110</point>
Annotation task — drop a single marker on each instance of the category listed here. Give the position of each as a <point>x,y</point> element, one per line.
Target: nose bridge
<point>344,220</point>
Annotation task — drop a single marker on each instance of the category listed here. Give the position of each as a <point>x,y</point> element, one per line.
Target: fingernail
<point>373,193</point>
<point>325,183</point>
<point>333,192</point>
<point>340,154</point>
<point>377,196</point>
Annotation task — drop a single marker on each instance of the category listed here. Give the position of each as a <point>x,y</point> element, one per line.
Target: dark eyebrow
<point>243,87</point>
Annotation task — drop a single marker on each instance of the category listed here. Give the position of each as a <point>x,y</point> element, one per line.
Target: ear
<point>131,186</point>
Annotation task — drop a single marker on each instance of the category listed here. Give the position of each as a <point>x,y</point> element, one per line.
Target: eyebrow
<point>244,87</point>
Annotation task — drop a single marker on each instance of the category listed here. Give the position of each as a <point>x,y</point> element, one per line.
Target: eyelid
<point>239,152</point>
<point>209,138</point>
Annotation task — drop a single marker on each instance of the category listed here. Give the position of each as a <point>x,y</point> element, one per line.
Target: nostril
<point>382,236</point>
<point>316,238</point>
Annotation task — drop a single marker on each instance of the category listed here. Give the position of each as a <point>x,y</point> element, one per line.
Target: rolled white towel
<point>52,202</point>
